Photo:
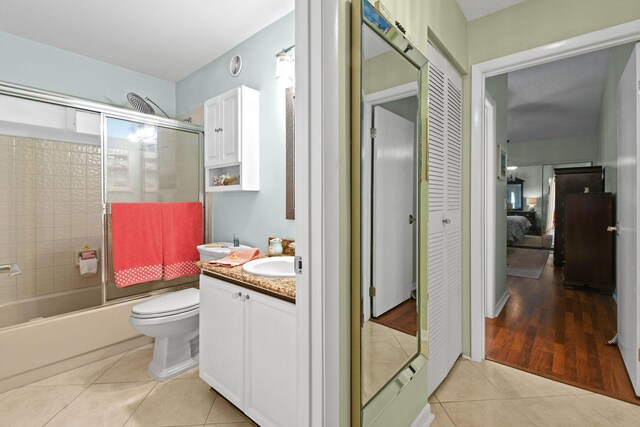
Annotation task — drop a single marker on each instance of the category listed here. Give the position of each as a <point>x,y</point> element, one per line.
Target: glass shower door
<point>148,163</point>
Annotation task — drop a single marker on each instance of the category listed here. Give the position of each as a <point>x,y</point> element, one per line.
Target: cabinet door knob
<point>235,295</point>
<point>446,221</point>
<point>243,298</point>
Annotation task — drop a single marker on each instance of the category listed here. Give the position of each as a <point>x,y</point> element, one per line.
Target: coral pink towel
<point>181,234</point>
<point>136,230</point>
<point>237,258</point>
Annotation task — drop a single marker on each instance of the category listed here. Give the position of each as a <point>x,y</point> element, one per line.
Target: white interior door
<point>627,259</point>
<point>393,203</point>
<point>444,311</point>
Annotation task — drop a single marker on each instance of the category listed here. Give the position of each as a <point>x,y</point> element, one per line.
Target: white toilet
<point>171,319</point>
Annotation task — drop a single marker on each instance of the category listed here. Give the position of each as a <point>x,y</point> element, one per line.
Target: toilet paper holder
<point>87,252</point>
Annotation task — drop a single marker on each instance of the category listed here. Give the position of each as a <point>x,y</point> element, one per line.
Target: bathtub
<point>38,308</point>
<point>44,347</point>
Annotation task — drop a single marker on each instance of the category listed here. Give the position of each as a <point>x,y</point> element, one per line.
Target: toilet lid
<point>173,303</point>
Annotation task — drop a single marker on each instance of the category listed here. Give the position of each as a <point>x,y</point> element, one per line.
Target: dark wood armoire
<point>572,181</point>
<point>588,244</point>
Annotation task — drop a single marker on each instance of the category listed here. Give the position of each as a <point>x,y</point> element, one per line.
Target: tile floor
<point>384,352</point>
<point>117,391</point>
<point>490,394</point>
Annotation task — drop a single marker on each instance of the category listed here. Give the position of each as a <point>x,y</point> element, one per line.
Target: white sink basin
<point>209,253</point>
<point>281,266</point>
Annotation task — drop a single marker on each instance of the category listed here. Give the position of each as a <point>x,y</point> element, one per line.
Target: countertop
<point>283,288</point>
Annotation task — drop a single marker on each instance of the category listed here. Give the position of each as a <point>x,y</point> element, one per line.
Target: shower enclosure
<point>63,162</point>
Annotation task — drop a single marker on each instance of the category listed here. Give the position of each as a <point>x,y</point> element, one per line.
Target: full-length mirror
<point>389,166</point>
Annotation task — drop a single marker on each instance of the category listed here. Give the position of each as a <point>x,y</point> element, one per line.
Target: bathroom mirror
<point>386,179</point>
<point>515,194</point>
<point>290,211</point>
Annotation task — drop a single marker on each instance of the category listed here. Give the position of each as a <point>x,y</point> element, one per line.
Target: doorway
<point>389,230</point>
<point>486,224</point>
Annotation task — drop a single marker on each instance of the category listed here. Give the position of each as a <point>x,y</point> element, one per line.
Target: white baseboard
<point>500,305</point>
<point>424,418</point>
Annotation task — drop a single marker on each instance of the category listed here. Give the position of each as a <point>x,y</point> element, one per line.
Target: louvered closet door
<point>444,251</point>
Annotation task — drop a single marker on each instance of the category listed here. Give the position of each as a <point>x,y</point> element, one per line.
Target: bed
<point>517,227</point>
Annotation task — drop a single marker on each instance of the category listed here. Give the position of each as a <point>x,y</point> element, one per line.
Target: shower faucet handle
<point>12,268</point>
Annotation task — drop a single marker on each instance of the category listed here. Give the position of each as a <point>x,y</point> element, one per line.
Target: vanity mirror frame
<point>363,413</point>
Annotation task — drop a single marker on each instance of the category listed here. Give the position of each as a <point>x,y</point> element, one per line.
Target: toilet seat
<point>176,303</point>
<point>165,314</point>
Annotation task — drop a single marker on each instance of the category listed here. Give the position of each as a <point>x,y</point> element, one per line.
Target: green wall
<point>440,22</point>
<point>607,133</point>
<point>40,66</point>
<point>386,71</point>
<point>575,149</point>
<point>497,88</point>
<point>536,23</point>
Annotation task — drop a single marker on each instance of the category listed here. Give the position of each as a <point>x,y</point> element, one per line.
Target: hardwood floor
<point>559,334</point>
<point>403,318</point>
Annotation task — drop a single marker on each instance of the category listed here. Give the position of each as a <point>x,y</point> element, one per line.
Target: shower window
<point>58,166</point>
<point>147,163</point>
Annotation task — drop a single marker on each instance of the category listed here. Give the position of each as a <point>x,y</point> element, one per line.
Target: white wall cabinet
<point>248,350</point>
<point>231,140</point>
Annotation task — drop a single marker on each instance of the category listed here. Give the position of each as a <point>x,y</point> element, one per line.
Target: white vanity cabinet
<point>231,139</point>
<point>248,350</point>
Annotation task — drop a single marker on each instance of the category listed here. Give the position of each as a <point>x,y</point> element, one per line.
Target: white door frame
<point>369,101</point>
<point>320,343</point>
<point>483,224</point>
<point>489,137</point>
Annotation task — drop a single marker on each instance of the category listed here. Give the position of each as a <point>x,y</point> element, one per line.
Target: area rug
<point>527,263</point>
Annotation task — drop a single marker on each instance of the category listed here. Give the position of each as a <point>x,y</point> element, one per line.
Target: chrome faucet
<point>13,269</point>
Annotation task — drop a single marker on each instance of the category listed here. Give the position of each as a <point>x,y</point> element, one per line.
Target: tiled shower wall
<point>50,206</point>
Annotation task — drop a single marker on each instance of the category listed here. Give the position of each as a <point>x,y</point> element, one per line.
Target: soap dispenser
<point>275,247</point>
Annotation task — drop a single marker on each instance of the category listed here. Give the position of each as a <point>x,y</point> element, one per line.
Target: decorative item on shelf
<point>224,180</point>
<point>384,11</point>
<point>376,18</point>
<point>288,246</point>
<point>532,201</point>
<point>275,246</point>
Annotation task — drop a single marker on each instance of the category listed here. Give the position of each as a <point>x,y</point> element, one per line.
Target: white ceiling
<point>474,9</point>
<point>168,39</point>
<point>372,44</point>
<point>558,99</point>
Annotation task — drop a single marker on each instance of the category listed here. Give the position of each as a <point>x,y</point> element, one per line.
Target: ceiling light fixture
<point>284,67</point>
